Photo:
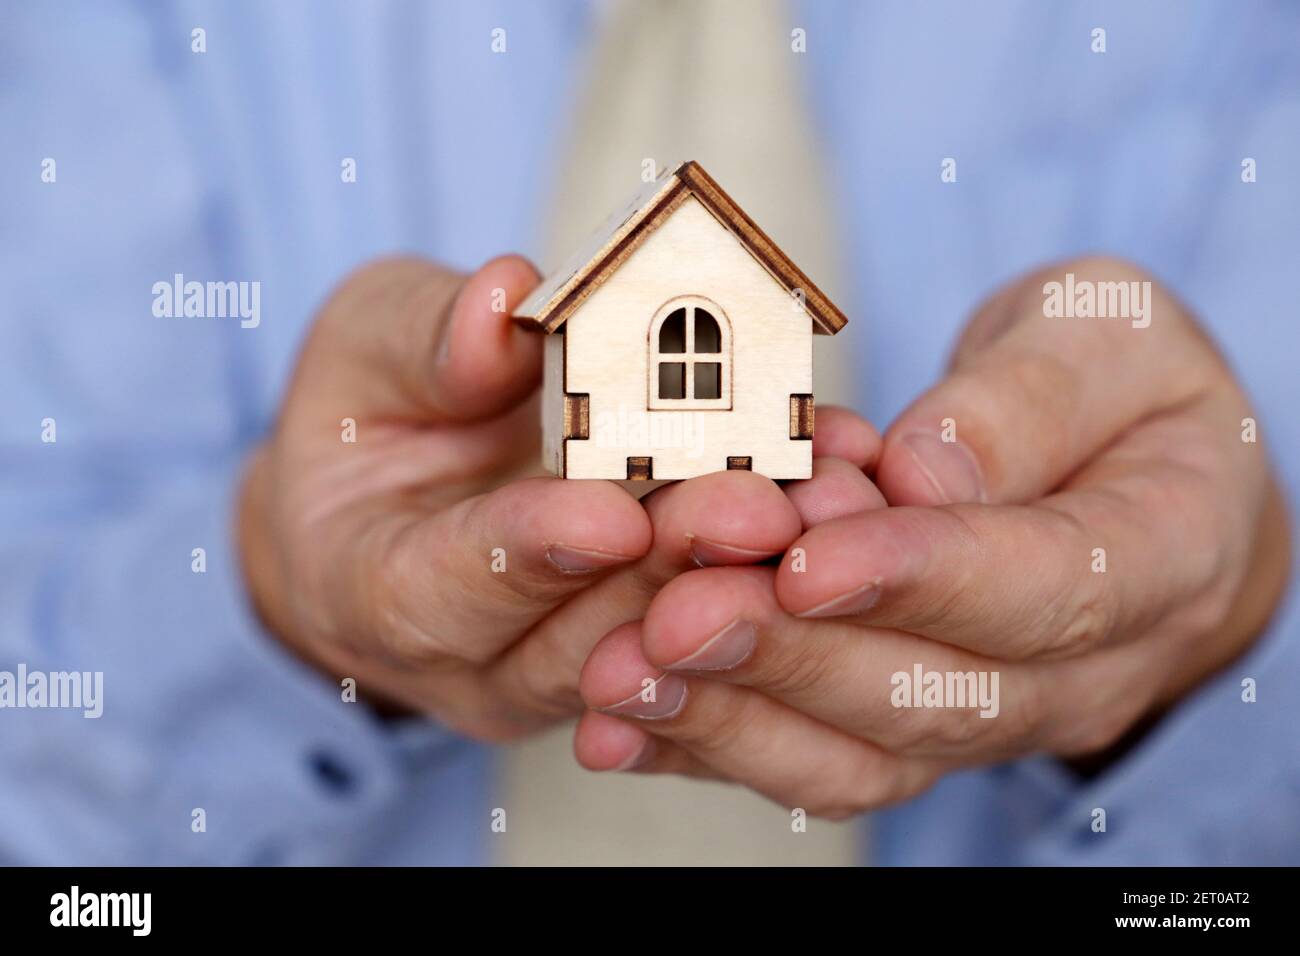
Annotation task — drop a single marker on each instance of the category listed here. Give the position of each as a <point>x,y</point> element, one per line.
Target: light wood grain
<point>559,297</point>
<point>553,425</point>
<point>607,356</point>
<point>682,242</point>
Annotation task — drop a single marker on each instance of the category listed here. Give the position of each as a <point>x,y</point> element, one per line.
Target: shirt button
<point>332,774</point>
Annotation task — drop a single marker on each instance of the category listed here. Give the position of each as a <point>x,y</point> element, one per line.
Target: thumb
<point>407,340</point>
<point>1031,398</point>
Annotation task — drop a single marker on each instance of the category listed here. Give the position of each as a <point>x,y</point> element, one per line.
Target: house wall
<point>606,356</point>
<point>553,403</point>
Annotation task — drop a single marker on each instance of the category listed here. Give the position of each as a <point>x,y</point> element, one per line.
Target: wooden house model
<point>679,342</point>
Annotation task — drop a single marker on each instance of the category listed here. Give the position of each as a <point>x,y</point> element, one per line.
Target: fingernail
<point>709,554</point>
<point>641,757</point>
<point>729,648</point>
<point>949,467</point>
<point>851,602</point>
<point>572,560</point>
<point>657,701</point>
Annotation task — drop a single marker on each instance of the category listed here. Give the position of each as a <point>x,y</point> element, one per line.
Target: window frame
<point>690,357</point>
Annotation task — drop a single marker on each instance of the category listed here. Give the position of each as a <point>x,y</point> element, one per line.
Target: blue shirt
<point>225,165</point>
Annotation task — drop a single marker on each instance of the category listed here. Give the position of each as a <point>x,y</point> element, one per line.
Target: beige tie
<point>714,81</point>
<point>717,82</point>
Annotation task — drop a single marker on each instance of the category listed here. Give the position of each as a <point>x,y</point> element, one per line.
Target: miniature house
<point>679,342</point>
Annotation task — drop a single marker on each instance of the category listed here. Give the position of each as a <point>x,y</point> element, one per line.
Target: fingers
<point>1031,398</point>
<point>408,341</point>
<point>1086,567</point>
<point>836,488</point>
<point>845,445</point>
<point>466,582</point>
<point>603,743</point>
<point>745,736</point>
<point>725,624</point>
<point>1009,582</point>
<point>732,517</point>
<point>721,519</point>
<point>934,707</point>
<point>486,362</point>
<point>843,433</point>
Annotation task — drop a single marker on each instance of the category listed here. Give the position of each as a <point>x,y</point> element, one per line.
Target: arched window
<point>690,356</point>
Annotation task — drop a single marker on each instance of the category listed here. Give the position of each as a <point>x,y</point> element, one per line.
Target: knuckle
<point>1024,717</point>
<point>1035,389</point>
<point>906,732</point>
<point>1200,355</point>
<point>550,691</point>
<point>520,587</point>
<point>1111,267</point>
<point>877,783</point>
<point>957,729</point>
<point>1011,730</point>
<point>497,728</point>
<point>1019,724</point>
<point>371,282</point>
<point>1046,390</point>
<point>1092,735</point>
<point>521,584</point>
<point>410,294</point>
<point>1088,623</point>
<point>907,729</point>
<point>908,779</point>
<point>388,593</point>
<point>473,704</point>
<point>798,671</point>
<point>850,788</point>
<point>1208,610</point>
<point>1088,611</point>
<point>720,727</point>
<point>848,796</point>
<point>401,638</point>
<point>1081,732</point>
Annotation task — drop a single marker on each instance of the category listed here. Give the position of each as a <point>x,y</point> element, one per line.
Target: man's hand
<point>419,558</point>
<point>1100,534</point>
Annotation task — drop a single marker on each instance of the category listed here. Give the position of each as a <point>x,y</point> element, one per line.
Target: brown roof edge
<point>665,205</point>
<point>827,318</point>
<point>692,180</point>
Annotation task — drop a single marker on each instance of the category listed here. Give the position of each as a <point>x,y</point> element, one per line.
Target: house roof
<point>563,293</point>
